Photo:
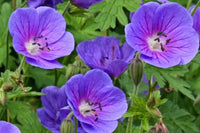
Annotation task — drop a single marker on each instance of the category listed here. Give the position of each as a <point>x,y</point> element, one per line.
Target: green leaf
<point>110,10</point>
<point>178,120</point>
<point>132,5</point>
<point>5,13</point>
<point>28,119</point>
<point>83,28</point>
<point>20,93</point>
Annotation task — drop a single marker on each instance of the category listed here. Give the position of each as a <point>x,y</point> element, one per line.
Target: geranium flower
<point>39,34</point>
<point>163,34</point>
<point>86,3</point>
<point>6,127</point>
<point>55,108</point>
<point>50,3</point>
<point>104,53</point>
<point>95,102</point>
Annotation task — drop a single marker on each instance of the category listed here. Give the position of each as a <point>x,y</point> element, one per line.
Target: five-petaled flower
<point>95,102</point>
<point>40,35</point>
<point>50,3</point>
<point>55,108</point>
<point>104,53</point>
<point>86,3</point>
<point>6,127</point>
<point>163,34</point>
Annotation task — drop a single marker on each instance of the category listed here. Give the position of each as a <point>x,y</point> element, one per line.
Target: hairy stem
<point>19,69</point>
<point>76,125</point>
<point>23,4</point>
<point>7,49</point>
<point>195,8</point>
<point>56,77</point>
<point>188,4</point>
<point>8,115</point>
<point>66,8</point>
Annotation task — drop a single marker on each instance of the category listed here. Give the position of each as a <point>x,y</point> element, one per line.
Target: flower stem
<point>66,8</point>
<point>7,49</point>
<point>135,90</point>
<point>151,87</point>
<point>129,126</point>
<point>189,3</point>
<point>8,115</point>
<point>76,125</point>
<point>69,115</point>
<point>23,4</point>
<point>130,119</point>
<point>21,66</point>
<point>195,8</point>
<point>56,77</point>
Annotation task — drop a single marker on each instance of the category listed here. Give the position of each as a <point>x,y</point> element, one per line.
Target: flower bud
<point>7,87</point>
<point>2,96</point>
<point>66,126</point>
<point>136,70</point>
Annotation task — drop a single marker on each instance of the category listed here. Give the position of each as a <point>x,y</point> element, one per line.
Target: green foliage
<point>172,76</point>
<point>83,27</point>
<point>110,10</point>
<point>144,110</point>
<point>178,120</point>
<point>20,93</point>
<point>26,119</point>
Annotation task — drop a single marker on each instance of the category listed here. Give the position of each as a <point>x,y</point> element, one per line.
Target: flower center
<point>36,44</point>
<point>158,42</point>
<point>106,59</point>
<point>88,108</point>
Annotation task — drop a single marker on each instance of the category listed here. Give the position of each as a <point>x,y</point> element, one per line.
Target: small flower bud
<point>136,70</point>
<point>2,96</point>
<point>66,126</point>
<point>7,87</point>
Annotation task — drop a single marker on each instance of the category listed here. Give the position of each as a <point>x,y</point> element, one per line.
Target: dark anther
<point>37,37</point>
<point>34,43</point>
<point>96,119</point>
<point>87,111</point>
<point>93,109</point>
<point>45,38</point>
<point>157,39</point>
<point>41,48</point>
<point>162,48</point>
<point>99,105</point>
<point>159,33</point>
<point>106,58</point>
<point>164,34</point>
<point>167,41</point>
<point>88,101</point>
<point>47,44</point>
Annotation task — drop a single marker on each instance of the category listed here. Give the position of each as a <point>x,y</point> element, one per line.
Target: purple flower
<point>95,102</point>
<point>40,35</point>
<point>55,108</point>
<point>104,53</point>
<point>6,127</point>
<point>163,34</point>
<point>50,3</point>
<point>196,19</point>
<point>86,3</point>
